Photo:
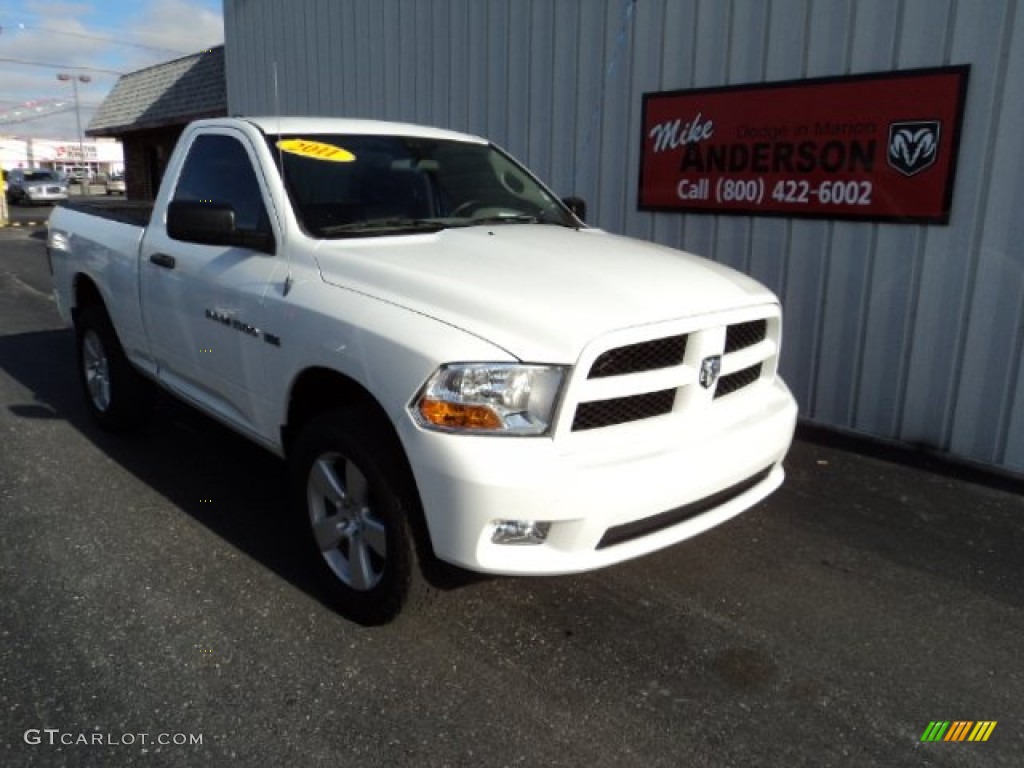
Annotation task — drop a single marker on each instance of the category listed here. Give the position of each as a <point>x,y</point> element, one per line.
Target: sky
<point>98,39</point>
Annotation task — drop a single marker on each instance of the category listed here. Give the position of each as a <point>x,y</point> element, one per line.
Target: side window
<point>217,169</point>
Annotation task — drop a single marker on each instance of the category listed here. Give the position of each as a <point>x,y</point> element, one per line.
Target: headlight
<point>490,398</point>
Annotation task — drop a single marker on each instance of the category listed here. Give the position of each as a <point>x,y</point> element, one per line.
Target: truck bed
<point>135,212</point>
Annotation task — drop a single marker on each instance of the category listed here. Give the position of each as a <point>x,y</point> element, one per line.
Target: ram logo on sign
<point>913,146</point>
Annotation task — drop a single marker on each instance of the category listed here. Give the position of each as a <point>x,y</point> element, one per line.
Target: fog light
<point>520,532</point>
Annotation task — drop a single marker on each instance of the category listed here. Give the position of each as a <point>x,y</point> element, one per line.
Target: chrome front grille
<point>623,379</point>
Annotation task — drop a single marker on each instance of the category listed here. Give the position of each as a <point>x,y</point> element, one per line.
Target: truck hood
<point>540,292</point>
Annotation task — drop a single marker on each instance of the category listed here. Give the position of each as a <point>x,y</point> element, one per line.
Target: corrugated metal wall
<point>913,333</point>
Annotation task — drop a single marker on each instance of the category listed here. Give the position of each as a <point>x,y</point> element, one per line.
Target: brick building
<point>148,109</point>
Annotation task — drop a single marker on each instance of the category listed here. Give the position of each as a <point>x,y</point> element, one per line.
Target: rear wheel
<point>118,397</point>
<point>355,496</point>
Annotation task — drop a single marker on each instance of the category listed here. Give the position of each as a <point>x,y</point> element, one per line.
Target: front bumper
<point>45,196</point>
<point>600,492</point>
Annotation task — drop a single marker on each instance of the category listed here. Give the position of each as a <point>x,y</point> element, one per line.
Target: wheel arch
<point>317,390</point>
<point>85,293</point>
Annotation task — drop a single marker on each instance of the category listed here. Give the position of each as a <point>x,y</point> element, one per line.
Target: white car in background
<point>116,185</point>
<point>32,186</point>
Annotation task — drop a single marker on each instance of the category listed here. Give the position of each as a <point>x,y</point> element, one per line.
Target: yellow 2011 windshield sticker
<point>316,150</point>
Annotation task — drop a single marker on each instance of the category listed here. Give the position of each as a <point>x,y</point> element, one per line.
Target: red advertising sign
<point>879,147</point>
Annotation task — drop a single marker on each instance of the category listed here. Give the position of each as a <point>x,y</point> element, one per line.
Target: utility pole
<point>75,80</point>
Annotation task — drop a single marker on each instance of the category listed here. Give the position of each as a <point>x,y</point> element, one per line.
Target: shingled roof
<point>172,93</point>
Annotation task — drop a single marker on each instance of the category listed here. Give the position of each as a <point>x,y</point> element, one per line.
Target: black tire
<point>118,397</point>
<point>353,494</point>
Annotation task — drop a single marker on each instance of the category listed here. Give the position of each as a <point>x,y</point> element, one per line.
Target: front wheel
<point>356,499</point>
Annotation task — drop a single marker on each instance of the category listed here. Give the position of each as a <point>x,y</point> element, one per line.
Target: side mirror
<point>213,224</point>
<point>577,205</point>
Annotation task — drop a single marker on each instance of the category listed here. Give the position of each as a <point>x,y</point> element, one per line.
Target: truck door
<point>204,305</point>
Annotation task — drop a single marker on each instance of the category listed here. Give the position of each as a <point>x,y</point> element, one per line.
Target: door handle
<point>162,260</point>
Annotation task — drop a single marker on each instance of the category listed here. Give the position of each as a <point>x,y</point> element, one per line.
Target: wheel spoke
<point>95,385</point>
<point>375,535</point>
<point>325,483</point>
<point>356,486</point>
<point>360,565</point>
<point>93,349</point>
<point>97,372</point>
<point>329,532</point>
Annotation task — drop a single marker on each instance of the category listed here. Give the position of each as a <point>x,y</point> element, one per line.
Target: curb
<point>22,224</point>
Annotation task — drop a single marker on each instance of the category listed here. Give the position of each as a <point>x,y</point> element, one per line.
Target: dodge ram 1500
<point>457,369</point>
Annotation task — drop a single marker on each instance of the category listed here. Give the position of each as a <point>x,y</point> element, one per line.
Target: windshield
<point>359,185</point>
<point>41,176</point>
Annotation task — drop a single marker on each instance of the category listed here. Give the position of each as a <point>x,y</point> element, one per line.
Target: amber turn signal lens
<point>456,416</point>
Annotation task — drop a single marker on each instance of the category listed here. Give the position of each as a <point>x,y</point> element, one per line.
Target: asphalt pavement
<point>27,215</point>
<point>154,610</point>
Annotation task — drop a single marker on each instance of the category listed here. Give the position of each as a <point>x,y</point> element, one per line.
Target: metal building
<point>913,333</point>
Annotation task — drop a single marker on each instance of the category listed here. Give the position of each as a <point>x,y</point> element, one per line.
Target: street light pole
<point>75,80</point>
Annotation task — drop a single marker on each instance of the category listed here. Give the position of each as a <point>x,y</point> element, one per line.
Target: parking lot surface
<point>151,591</point>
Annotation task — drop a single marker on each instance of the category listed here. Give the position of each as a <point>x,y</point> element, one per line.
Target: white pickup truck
<point>456,368</point>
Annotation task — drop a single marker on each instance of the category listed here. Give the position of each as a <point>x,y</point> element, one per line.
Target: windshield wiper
<point>506,218</point>
<point>517,218</point>
<point>384,226</point>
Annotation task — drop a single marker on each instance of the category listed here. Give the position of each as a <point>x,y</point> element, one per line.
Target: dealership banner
<point>879,147</point>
